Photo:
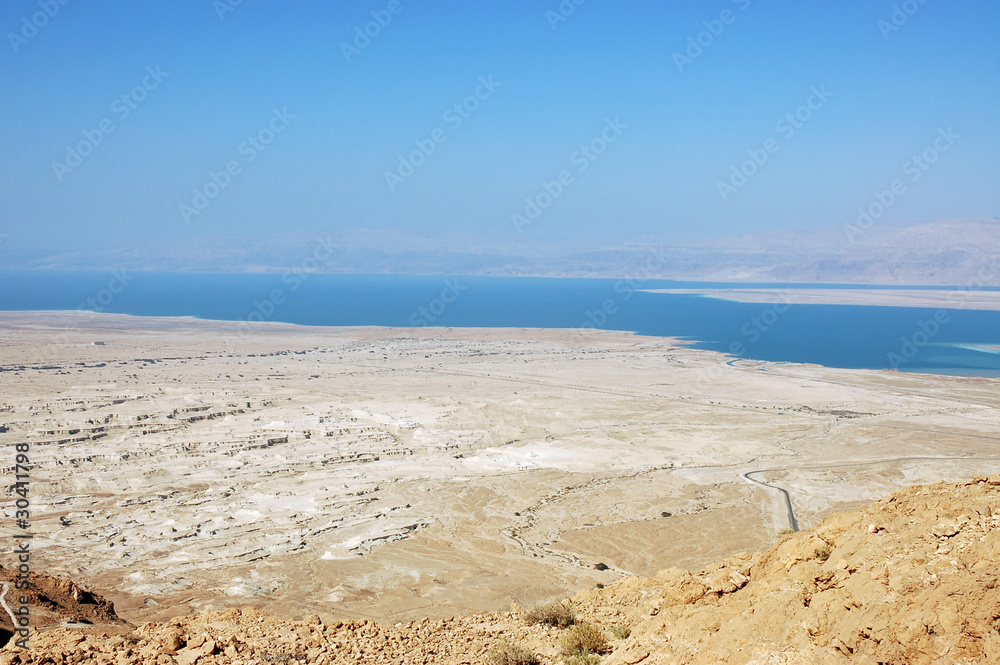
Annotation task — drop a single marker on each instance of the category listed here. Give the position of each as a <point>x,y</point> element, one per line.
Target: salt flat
<point>183,465</point>
<point>970,298</point>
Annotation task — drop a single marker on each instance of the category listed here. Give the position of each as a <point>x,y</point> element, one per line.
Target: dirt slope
<point>910,579</point>
<point>53,601</point>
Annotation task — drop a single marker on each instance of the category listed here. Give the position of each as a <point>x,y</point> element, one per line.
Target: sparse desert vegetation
<point>782,604</point>
<point>508,653</point>
<point>555,614</point>
<point>583,640</point>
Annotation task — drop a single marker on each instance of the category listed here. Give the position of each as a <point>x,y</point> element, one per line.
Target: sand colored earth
<point>929,298</point>
<point>182,466</point>
<point>909,579</point>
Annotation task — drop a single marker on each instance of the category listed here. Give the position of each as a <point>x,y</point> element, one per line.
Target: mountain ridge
<point>942,252</point>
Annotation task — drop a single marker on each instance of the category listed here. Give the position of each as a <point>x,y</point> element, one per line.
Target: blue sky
<point>343,121</point>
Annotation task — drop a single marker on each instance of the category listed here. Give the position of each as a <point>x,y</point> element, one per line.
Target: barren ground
<point>398,474</point>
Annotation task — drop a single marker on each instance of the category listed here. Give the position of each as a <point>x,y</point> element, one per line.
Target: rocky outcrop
<point>910,579</point>
<point>52,601</point>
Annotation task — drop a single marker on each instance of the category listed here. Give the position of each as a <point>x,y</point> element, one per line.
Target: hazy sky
<point>312,131</point>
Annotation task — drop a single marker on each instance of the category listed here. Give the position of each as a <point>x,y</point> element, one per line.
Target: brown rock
<point>633,655</point>
<point>172,641</point>
<point>189,655</point>
<point>945,530</point>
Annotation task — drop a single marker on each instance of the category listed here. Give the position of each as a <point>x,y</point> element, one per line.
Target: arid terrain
<point>361,473</point>
<point>909,580</point>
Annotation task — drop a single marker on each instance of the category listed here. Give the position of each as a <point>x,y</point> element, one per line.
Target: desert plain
<point>181,465</point>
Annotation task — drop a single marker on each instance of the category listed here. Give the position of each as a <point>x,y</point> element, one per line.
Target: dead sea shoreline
<point>922,298</point>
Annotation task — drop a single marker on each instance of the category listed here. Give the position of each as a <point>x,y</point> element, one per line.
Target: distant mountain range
<point>945,252</point>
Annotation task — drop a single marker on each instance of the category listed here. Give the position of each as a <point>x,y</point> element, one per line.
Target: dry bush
<point>823,553</point>
<point>584,639</point>
<point>552,614</point>
<point>507,653</point>
<point>589,659</point>
<point>621,631</point>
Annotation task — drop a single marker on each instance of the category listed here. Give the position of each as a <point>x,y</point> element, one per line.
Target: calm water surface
<point>849,336</point>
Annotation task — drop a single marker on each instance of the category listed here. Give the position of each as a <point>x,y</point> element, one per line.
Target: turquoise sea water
<point>907,339</point>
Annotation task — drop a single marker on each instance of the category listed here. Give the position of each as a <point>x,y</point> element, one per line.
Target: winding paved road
<point>794,524</point>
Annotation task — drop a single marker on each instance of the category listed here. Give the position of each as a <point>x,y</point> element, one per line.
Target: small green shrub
<point>665,514</point>
<point>601,566</point>
<point>554,614</point>
<point>621,631</point>
<point>507,653</point>
<point>583,639</point>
